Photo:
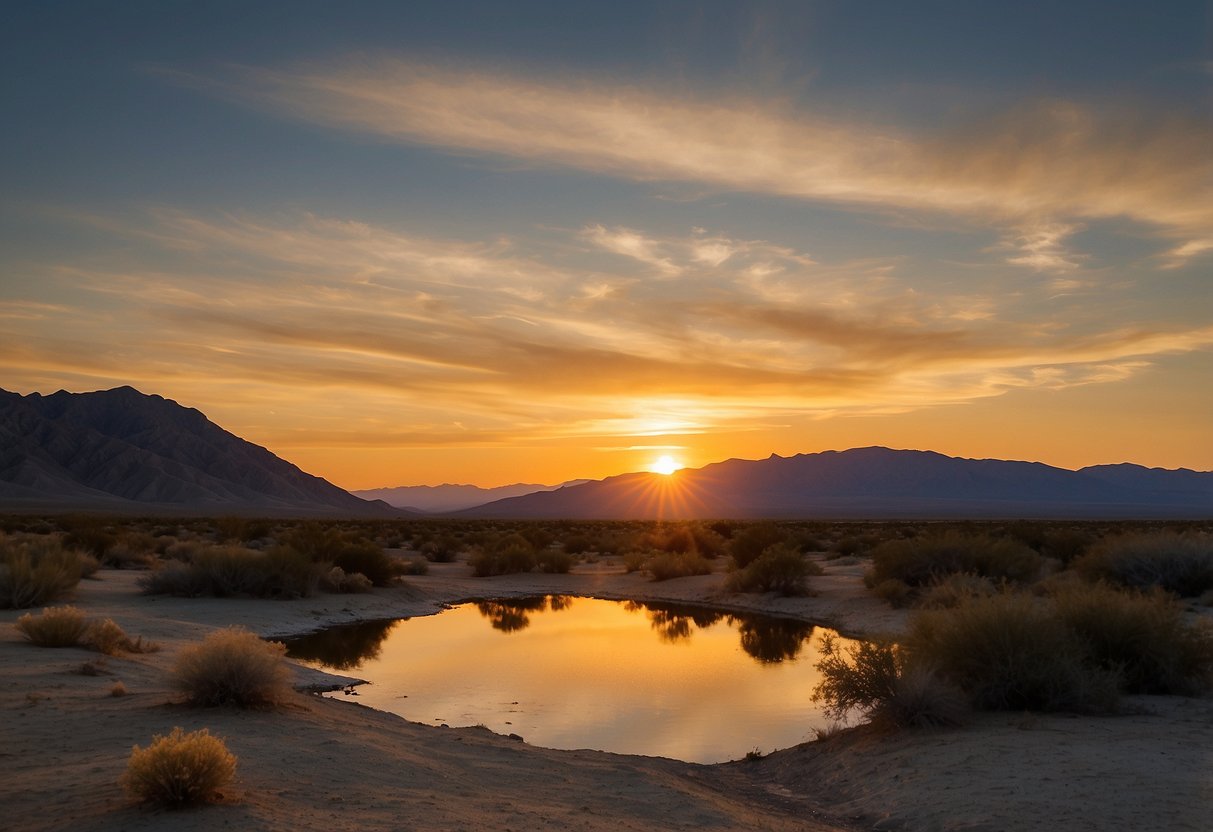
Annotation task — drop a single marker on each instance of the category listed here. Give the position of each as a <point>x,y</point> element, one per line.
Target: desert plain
<point>328,763</point>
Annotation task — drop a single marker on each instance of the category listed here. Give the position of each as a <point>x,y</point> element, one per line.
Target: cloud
<point>1041,247</point>
<point>632,244</point>
<point>382,334</point>
<point>1049,164</point>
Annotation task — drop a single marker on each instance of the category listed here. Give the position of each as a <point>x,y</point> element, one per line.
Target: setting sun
<point>666,465</point>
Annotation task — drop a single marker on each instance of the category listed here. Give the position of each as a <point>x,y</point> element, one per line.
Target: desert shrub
<point>922,561</point>
<point>955,589</point>
<point>1066,545</point>
<point>556,561</point>
<point>180,769</point>
<point>878,679</point>
<point>413,566</point>
<point>1182,564</point>
<point>635,560</point>
<point>752,541</point>
<point>511,559</point>
<point>88,536</point>
<point>133,550</point>
<point>441,549</point>
<point>848,547</point>
<point>666,565</point>
<point>285,573</point>
<point>366,558</point>
<point>337,580</point>
<point>176,578</point>
<point>221,571</point>
<point>184,550</point>
<point>677,540</point>
<point>55,627</point>
<point>1011,652</point>
<point>35,571</point>
<point>896,593</point>
<point>780,569</point>
<point>107,637</point>
<point>233,667</point>
<point>1143,637</point>
<point>577,544</point>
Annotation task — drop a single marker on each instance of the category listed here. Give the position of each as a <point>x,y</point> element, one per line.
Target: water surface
<point>653,679</point>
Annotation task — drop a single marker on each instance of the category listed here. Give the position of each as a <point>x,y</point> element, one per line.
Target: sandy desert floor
<point>331,764</point>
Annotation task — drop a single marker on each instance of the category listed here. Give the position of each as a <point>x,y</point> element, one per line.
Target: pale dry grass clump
<point>233,667</point>
<point>180,769</point>
<point>107,637</point>
<point>35,571</point>
<point>55,627</point>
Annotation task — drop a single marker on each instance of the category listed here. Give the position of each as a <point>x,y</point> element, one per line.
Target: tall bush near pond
<point>924,560</point>
<point>233,667</point>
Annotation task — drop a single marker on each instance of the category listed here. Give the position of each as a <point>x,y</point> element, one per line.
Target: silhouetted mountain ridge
<point>122,449</point>
<point>452,497</point>
<point>876,483</point>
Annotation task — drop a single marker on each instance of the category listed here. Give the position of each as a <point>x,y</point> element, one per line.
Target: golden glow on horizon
<point>666,465</point>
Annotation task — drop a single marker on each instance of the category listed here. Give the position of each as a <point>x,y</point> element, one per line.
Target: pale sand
<point>329,764</point>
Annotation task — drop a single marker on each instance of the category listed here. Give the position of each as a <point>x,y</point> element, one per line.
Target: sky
<point>484,242</point>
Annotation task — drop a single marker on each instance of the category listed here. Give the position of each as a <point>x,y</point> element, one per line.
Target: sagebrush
<point>178,770</point>
<point>233,667</point>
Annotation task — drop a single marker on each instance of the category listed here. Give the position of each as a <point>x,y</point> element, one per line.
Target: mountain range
<point>875,483</point>
<point>439,499</point>
<point>122,450</point>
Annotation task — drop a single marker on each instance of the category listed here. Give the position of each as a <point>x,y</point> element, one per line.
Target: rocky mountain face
<point>876,483</point>
<point>123,450</point>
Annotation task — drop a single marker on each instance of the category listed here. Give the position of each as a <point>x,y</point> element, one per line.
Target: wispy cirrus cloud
<point>1035,171</point>
<point>412,328</point>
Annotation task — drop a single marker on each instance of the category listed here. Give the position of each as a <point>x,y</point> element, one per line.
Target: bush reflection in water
<point>766,639</point>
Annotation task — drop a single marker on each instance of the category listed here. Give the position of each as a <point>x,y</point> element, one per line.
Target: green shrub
<point>233,667</point>
<point>877,679</point>
<point>752,541</point>
<point>55,627</point>
<point>222,571</point>
<point>1144,638</point>
<point>176,578</point>
<point>180,769</point>
<point>666,565</point>
<point>1011,652</point>
<point>1182,564</point>
<point>510,560</point>
<point>922,561</point>
<point>780,569</point>
<point>36,571</point>
<point>366,558</point>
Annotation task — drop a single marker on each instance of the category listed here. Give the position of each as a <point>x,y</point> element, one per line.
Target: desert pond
<point>633,678</point>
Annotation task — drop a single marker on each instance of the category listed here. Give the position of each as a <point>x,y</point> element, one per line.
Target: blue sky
<point>486,242</point>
